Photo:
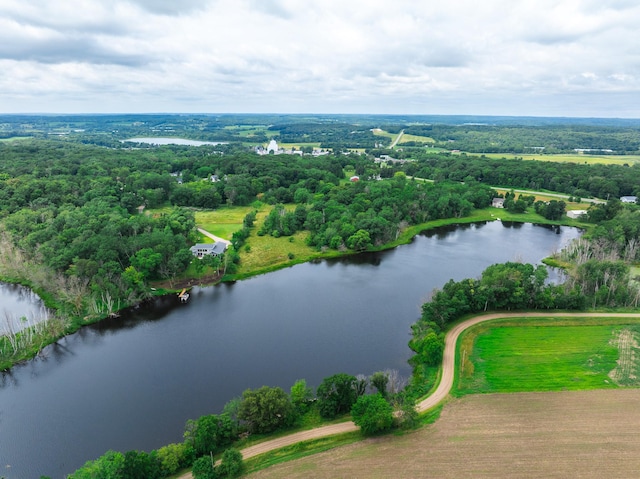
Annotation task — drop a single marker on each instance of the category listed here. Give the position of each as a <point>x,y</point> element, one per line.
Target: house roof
<point>209,248</point>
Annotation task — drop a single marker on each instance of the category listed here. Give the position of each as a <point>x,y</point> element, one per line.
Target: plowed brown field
<point>583,434</point>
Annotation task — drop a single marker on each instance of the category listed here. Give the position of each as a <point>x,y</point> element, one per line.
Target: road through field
<point>214,237</point>
<point>441,391</point>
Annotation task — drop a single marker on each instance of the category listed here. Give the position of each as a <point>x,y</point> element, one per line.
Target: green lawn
<point>541,358</point>
<point>570,205</point>
<point>223,221</point>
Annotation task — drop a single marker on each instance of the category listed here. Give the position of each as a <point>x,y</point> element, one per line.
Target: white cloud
<point>462,56</point>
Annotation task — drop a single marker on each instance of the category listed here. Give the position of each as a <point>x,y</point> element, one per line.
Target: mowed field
<point>586,434</point>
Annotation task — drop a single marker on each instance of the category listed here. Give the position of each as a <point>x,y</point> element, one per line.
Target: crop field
<point>572,158</point>
<point>582,424</point>
<point>586,434</point>
<point>545,358</point>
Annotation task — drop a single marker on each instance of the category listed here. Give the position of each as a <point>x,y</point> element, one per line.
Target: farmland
<point>572,158</point>
<point>588,434</point>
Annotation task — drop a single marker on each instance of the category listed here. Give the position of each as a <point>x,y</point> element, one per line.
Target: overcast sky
<point>495,57</point>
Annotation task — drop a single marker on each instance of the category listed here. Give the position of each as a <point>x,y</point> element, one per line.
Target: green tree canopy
<point>372,413</point>
<point>266,409</point>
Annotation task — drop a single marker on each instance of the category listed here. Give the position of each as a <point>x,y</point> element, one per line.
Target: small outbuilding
<point>629,199</point>
<point>575,214</point>
<point>498,203</point>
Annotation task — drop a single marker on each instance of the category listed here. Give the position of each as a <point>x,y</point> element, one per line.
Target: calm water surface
<point>173,141</point>
<point>133,382</point>
<point>19,307</point>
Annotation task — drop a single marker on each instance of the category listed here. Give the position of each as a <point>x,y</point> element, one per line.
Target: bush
<point>203,469</point>
<point>231,464</point>
<point>336,395</point>
<point>373,414</point>
<point>266,409</point>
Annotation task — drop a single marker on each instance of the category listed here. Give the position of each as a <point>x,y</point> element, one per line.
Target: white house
<point>273,146</point>
<point>201,250</point>
<point>629,199</point>
<point>575,214</point>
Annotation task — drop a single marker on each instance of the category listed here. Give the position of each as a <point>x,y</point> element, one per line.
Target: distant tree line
<point>601,181</point>
<point>540,139</point>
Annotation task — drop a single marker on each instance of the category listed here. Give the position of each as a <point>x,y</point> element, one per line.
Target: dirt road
<point>214,237</point>
<point>441,392</point>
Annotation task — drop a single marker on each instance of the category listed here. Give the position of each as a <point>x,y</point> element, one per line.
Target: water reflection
<point>132,382</point>
<point>21,308</point>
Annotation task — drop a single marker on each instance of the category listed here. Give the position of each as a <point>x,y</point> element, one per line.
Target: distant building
<point>354,179</point>
<point>498,203</point>
<point>575,214</point>
<point>629,199</point>
<point>273,146</point>
<point>201,250</point>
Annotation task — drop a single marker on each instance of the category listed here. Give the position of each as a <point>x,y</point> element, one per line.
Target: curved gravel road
<point>440,393</point>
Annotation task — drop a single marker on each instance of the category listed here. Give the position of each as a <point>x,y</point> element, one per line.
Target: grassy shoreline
<point>72,324</point>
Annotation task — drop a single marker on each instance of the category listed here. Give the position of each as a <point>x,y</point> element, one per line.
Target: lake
<point>132,382</point>
<point>172,141</point>
<point>19,308</point>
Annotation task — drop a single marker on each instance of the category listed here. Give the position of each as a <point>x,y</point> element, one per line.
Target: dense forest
<point>74,225</point>
<point>75,208</point>
<point>474,134</point>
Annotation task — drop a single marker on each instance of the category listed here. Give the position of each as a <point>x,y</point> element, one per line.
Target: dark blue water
<point>131,383</point>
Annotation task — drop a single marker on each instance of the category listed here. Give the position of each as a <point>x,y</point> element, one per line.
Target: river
<point>132,382</point>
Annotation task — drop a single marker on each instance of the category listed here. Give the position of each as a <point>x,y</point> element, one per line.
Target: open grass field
<point>298,146</point>
<point>540,196</point>
<point>542,358</point>
<point>260,252</point>
<point>586,434</point>
<point>405,138</point>
<point>267,251</point>
<point>572,158</point>
<point>223,221</point>
<point>386,134</point>
<point>418,139</point>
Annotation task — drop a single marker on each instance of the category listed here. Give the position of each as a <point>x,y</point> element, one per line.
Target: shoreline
<point>71,327</point>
